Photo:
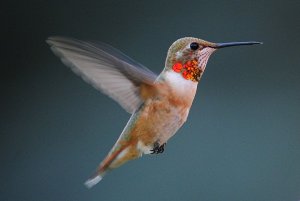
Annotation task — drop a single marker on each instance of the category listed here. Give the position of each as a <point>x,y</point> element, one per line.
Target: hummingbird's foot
<point>157,148</point>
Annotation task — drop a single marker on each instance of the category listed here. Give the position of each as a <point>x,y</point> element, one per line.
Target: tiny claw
<point>157,148</point>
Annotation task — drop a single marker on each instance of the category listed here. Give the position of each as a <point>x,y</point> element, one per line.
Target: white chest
<point>179,85</point>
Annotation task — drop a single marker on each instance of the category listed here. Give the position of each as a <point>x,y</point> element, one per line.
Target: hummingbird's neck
<point>189,70</point>
<point>179,86</point>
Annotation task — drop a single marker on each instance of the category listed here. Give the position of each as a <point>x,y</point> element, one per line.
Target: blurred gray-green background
<point>242,138</point>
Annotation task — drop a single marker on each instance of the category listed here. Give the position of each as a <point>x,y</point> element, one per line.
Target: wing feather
<point>105,68</point>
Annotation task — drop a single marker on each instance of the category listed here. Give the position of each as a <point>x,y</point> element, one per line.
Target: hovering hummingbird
<point>159,105</point>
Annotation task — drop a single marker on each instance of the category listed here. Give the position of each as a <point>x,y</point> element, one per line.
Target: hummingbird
<point>159,104</point>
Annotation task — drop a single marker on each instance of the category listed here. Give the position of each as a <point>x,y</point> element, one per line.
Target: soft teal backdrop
<point>242,138</point>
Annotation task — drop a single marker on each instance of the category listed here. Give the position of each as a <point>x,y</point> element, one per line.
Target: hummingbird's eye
<point>194,46</point>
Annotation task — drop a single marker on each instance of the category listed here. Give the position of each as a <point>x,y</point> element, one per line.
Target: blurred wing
<point>105,68</point>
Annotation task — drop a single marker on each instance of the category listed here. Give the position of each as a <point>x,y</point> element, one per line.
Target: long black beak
<point>222,45</point>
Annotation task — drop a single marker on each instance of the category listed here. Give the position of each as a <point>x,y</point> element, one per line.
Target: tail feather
<point>102,169</point>
<point>93,181</point>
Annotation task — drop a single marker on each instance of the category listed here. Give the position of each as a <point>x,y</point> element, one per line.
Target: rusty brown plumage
<point>159,104</point>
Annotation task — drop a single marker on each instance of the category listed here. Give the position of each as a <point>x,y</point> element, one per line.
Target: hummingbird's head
<point>189,56</point>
